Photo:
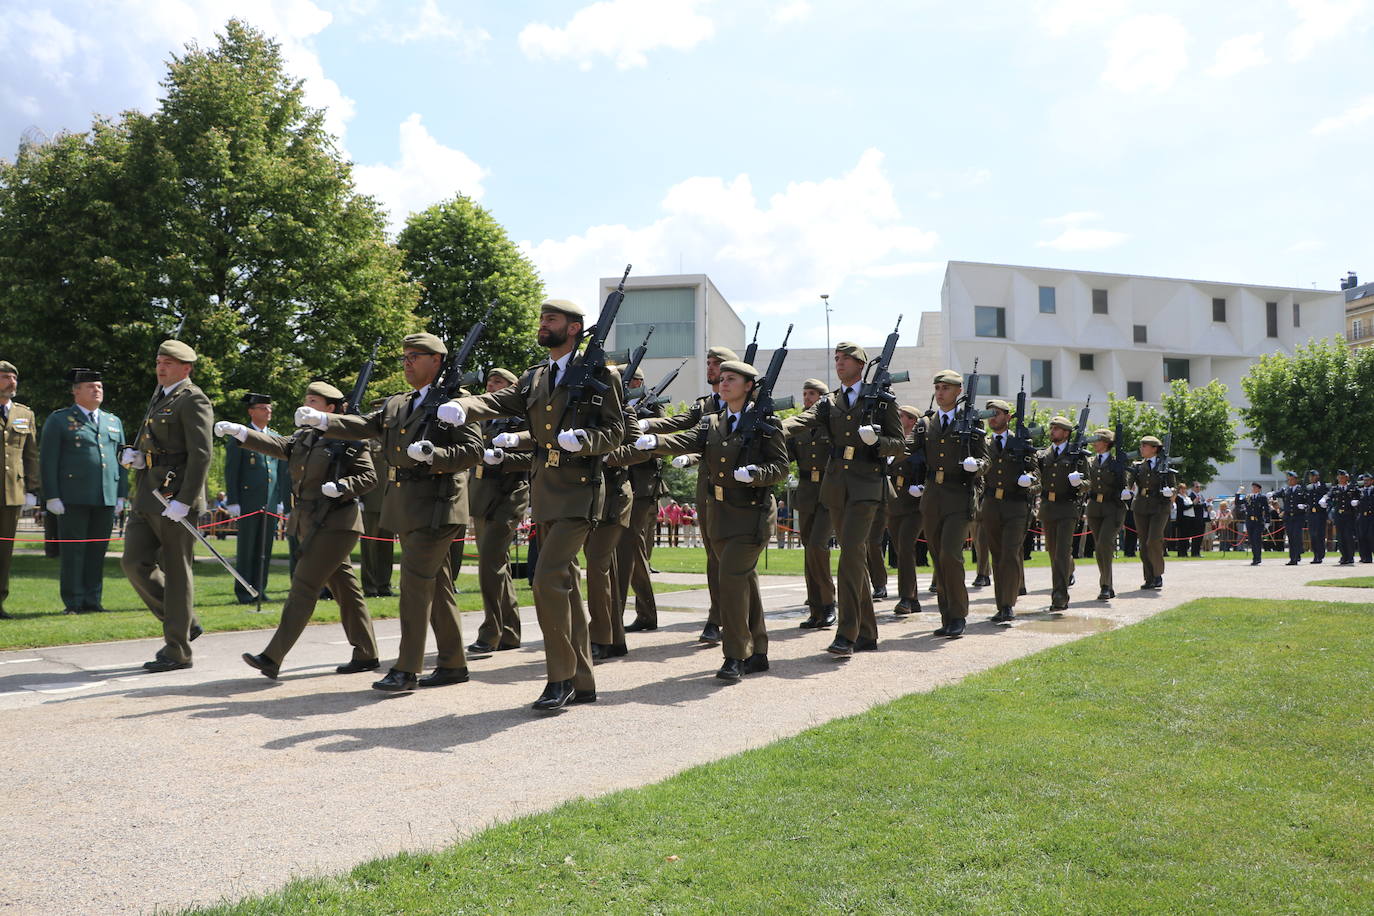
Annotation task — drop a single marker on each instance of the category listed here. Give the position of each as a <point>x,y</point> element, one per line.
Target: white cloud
<point>426,173</point>
<point>904,269</point>
<point>429,23</point>
<point>1319,21</point>
<point>1239,53</point>
<point>792,11</point>
<point>1076,237</point>
<point>1060,17</point>
<point>1072,219</point>
<point>1358,113</point>
<point>1306,245</point>
<point>771,257</point>
<point>622,30</point>
<point>1146,53</point>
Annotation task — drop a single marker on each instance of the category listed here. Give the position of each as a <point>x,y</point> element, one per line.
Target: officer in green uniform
<point>1005,508</point>
<point>18,469</point>
<point>171,454</point>
<point>254,483</point>
<point>1153,483</point>
<point>810,449</point>
<point>636,545</point>
<point>325,479</point>
<point>742,513</point>
<point>1063,475</point>
<point>1106,511</point>
<point>378,546</point>
<point>84,486</point>
<point>566,492</point>
<point>904,522</point>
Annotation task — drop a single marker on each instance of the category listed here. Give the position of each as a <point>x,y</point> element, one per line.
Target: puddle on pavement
<point>1065,623</point>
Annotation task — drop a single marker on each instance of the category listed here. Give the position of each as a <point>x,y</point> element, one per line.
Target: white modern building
<point>1072,334</point>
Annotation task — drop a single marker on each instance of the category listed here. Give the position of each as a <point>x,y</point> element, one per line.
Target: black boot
<point>641,625</point>
<point>396,681</point>
<point>841,647</point>
<point>555,696</point>
<point>756,663</point>
<point>442,677</point>
<point>827,618</point>
<point>710,634</point>
<point>353,667</point>
<point>955,628</point>
<point>943,628</point>
<point>732,670</point>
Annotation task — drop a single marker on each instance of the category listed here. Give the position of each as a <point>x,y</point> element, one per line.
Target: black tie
<point>729,424</point>
<point>414,402</point>
<point>944,423</point>
<point>5,412</point>
<point>1001,444</point>
<point>553,377</point>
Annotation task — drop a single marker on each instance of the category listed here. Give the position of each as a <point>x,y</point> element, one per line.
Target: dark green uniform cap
<point>1103,434</point>
<point>1063,423</point>
<point>1151,440</point>
<point>815,385</point>
<point>564,307</point>
<point>949,377</point>
<point>994,404</point>
<point>323,389</point>
<point>739,367</point>
<point>177,350</point>
<point>500,373</point>
<point>7,366</point>
<point>425,343</point>
<point>724,354</point>
<point>850,348</point>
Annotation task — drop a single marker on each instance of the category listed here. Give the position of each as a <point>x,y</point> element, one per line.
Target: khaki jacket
<point>810,449</point>
<point>855,472</point>
<point>1105,483</point>
<point>500,488</point>
<point>176,438</point>
<point>1005,468</point>
<point>1149,482</point>
<point>19,457</point>
<point>1057,495</point>
<point>309,465</point>
<point>735,506</point>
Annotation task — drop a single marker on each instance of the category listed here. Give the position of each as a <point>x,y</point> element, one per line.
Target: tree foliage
<point>1135,419</point>
<point>1204,432</point>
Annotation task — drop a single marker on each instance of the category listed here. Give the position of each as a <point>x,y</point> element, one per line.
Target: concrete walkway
<point>125,791</point>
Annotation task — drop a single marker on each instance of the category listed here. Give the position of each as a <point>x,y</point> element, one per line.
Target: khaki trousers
<point>816,531</point>
<point>607,620</point>
<point>632,560</point>
<point>501,612</point>
<point>854,526</point>
<point>325,565</point>
<point>1003,525</point>
<point>946,514</point>
<point>1105,520</point>
<point>877,563</point>
<point>1150,525</point>
<point>1058,520</point>
<point>905,529</point>
<point>980,547</point>
<point>427,600</point>
<point>157,562</point>
<point>743,630</point>
<point>558,602</point>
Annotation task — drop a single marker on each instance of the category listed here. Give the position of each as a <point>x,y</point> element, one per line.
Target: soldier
<point>1294,497</point>
<point>84,486</point>
<point>742,512</point>
<point>1254,511</point>
<point>255,483</point>
<point>1063,475</point>
<point>1366,515</point>
<point>565,488</point>
<point>325,516</point>
<point>18,469</point>
<point>810,449</point>
<point>852,487</point>
<point>1154,484</point>
<point>498,498</point>
<point>1316,515</point>
<point>1106,512</point>
<point>605,611</point>
<point>636,545</point>
<point>979,542</point>
<point>171,455</point>
<point>1005,509</point>
<point>877,561</point>
<point>903,523</point>
<point>1344,503</point>
<point>378,544</point>
<point>425,503</point>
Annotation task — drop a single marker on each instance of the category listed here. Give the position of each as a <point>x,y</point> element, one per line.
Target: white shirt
<point>562,363</point>
<point>946,416</point>
<point>170,388</point>
<point>90,414</point>
<point>732,416</point>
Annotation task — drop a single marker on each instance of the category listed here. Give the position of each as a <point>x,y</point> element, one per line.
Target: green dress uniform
<point>1151,508</point>
<point>80,461</point>
<point>877,561</point>
<point>498,499</point>
<point>327,529</point>
<point>904,526</point>
<point>18,479</point>
<point>1004,514</point>
<point>175,440</point>
<point>254,482</point>
<point>378,543</point>
<point>810,449</point>
<point>1060,509</point>
<point>1105,513</point>
<point>636,545</point>
<point>606,614</point>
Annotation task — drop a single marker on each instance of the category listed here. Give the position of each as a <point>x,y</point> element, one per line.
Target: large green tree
<point>1133,419</point>
<point>1204,433</point>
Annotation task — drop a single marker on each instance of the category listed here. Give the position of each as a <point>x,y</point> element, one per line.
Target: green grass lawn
<point>1355,582</point>
<point>1215,758</point>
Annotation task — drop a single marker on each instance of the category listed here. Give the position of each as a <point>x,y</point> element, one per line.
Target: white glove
<point>1167,491</point>
<point>916,489</point>
<point>1354,502</point>
<point>505,440</point>
<point>493,456</point>
<point>132,458</point>
<point>1322,502</point>
<point>970,464</point>
<point>648,442</point>
<point>1126,493</point>
<point>746,474</point>
<point>237,430</point>
<point>309,416</point>
<point>120,503</point>
<point>681,461</point>
<point>1075,478</point>
<point>422,451</point>
<point>452,413</point>
<point>30,500</point>
<point>234,509</point>
<point>868,434</point>
<point>1025,480</point>
<point>572,440</point>
<point>643,425</point>
<point>55,506</point>
<point>332,489</point>
<point>176,510</point>
<point>281,508</point>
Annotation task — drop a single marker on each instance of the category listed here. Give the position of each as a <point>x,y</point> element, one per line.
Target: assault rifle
<point>877,386</point>
<point>1078,448</point>
<point>1119,455</point>
<point>1023,439</point>
<point>582,378</point>
<point>645,401</point>
<point>449,383</point>
<point>752,350</point>
<point>968,418</point>
<point>632,364</point>
<point>762,409</point>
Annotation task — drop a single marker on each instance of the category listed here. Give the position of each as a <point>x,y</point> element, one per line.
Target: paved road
<point>125,791</point>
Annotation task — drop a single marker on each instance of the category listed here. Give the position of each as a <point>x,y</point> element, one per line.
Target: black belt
<point>165,459</point>
<point>415,473</point>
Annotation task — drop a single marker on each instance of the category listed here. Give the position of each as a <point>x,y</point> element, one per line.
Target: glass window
<point>1140,333</point>
<point>991,385</point>
<point>1085,362</point>
<point>671,311</point>
<point>1176,369</point>
<point>1099,302</point>
<point>1297,315</point>
<point>1218,309</point>
<point>1266,464</point>
<point>1042,378</point>
<point>989,321</point>
<point>1135,390</point>
<point>1271,319</point>
<point>1047,300</point>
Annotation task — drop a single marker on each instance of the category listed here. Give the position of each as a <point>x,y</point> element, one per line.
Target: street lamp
<point>825,300</point>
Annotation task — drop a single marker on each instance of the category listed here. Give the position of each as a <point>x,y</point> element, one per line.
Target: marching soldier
<point>498,498</point>
<point>1294,497</point>
<point>325,516</point>
<point>565,488</point>
<point>425,503</point>
<point>255,483</point>
<point>852,488</point>
<point>1366,510</point>
<point>1106,511</point>
<point>84,486</point>
<point>810,449</point>
<point>19,478</point>
<point>1154,484</point>
<point>1254,511</point>
<point>742,512</point>
<point>1005,509</point>
<point>903,523</point>
<point>1344,502</point>
<point>605,611</point>
<point>171,455</point>
<point>632,554</point>
<point>378,545</point>
<point>1316,515</point>
<point>877,562</point>
<point>1063,474</point>
<point>979,542</point>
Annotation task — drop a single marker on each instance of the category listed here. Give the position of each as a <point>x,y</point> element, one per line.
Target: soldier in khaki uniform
<point>566,489</point>
<point>632,555</point>
<point>810,449</point>
<point>877,560</point>
<point>1063,475</point>
<point>742,512</point>
<point>606,613</point>
<point>1106,511</point>
<point>1153,483</point>
<point>498,498</point>
<point>378,544</point>
<point>18,469</point>
<point>904,522</point>
<point>425,503</point>
<point>947,496</point>
<point>852,487</point>
<point>325,516</point>
<point>171,453</point>
<point>1005,508</point>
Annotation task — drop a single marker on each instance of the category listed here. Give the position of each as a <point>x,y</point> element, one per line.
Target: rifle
<point>341,450</point>
<point>1079,446</point>
<point>450,380</point>
<point>1022,439</point>
<point>967,417</point>
<point>877,386</point>
<point>752,350</point>
<point>635,359</point>
<point>1119,456</point>
<point>762,411</point>
<point>654,395</point>
<point>581,376</point>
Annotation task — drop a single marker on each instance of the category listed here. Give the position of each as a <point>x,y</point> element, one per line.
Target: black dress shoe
<point>1003,615</point>
<point>617,650</point>
<point>583,696</point>
<point>879,593</point>
<point>74,610</point>
<point>480,649</point>
<point>371,595</point>
<point>640,625</point>
<point>1022,591</point>
<point>865,644</point>
<point>904,607</point>
<point>943,628</point>
<point>1291,563</point>
<point>599,651</point>
<point>811,622</point>
<point>386,593</point>
<point>955,628</point>
<point>1254,562</point>
<point>196,632</point>
<point>732,670</point>
<point>1073,578</point>
<point>162,663</point>
<point>756,663</point>
<point>396,682</point>
<point>933,588</point>
<point>353,667</point>
<point>827,618</point>
<point>94,609</point>
<point>710,634</point>
<point>555,696</point>
<point>841,647</point>
<point>441,677</point>
<point>262,663</point>
<point>506,647</point>
<point>1104,595</point>
<point>1316,563</point>
<point>980,581</point>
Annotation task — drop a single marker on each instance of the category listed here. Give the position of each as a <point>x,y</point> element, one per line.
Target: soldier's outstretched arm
<point>356,426</point>
<point>268,444</point>
<point>687,442</point>
<point>810,419</point>
<point>508,402</point>
<point>688,419</point>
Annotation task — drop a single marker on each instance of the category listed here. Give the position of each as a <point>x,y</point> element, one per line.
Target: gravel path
<point>124,792</point>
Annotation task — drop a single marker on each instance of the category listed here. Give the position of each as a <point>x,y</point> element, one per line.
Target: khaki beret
<point>7,366</point>
<point>639,374</point>
<point>913,412</point>
<point>323,389</point>
<point>739,367</point>
<point>999,404</point>
<point>949,377</point>
<point>1151,440</point>
<point>815,384</point>
<point>1063,422</point>
<point>850,348</point>
<point>724,354</point>
<point>425,343</point>
<point>500,373</point>
<point>564,307</point>
<point>1105,435</point>
<point>177,350</point>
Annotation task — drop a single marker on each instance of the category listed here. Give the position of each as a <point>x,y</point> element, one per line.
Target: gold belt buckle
<point>998,494</point>
<point>849,453</point>
<point>939,475</point>
<point>815,476</point>
<point>553,459</point>
<point>1052,498</point>
<point>1099,497</point>
<point>901,482</point>
<point>720,494</point>
<point>480,469</point>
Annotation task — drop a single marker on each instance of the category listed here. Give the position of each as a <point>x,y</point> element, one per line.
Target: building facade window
<point>1099,302</point>
<point>989,321</point>
<point>1042,378</point>
<point>1218,309</point>
<point>1297,315</point>
<point>991,385</point>
<point>1266,464</point>
<point>672,311</point>
<point>1176,369</point>
<point>1139,333</point>
<point>1085,362</point>
<point>1047,300</point>
<point>1135,390</point>
<point>1271,319</point>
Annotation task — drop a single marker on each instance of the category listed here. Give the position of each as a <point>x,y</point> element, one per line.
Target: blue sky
<point>794,147</point>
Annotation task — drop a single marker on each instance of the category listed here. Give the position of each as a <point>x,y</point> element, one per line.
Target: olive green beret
<point>1151,440</point>
<point>913,412</point>
<point>999,404</point>
<point>724,354</point>
<point>564,307</point>
<point>739,367</point>
<point>850,348</point>
<point>500,373</point>
<point>1104,434</point>
<point>323,389</point>
<point>7,366</point>
<point>177,350</point>
<point>949,377</point>
<point>815,384</point>
<point>639,374</point>
<point>425,343</point>
<point>1063,422</point>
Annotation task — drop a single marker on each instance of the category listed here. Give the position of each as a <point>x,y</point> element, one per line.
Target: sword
<point>196,533</point>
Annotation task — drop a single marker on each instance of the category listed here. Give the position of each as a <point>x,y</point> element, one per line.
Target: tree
<point>1134,419</point>
<point>463,261</point>
<point>1203,431</point>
